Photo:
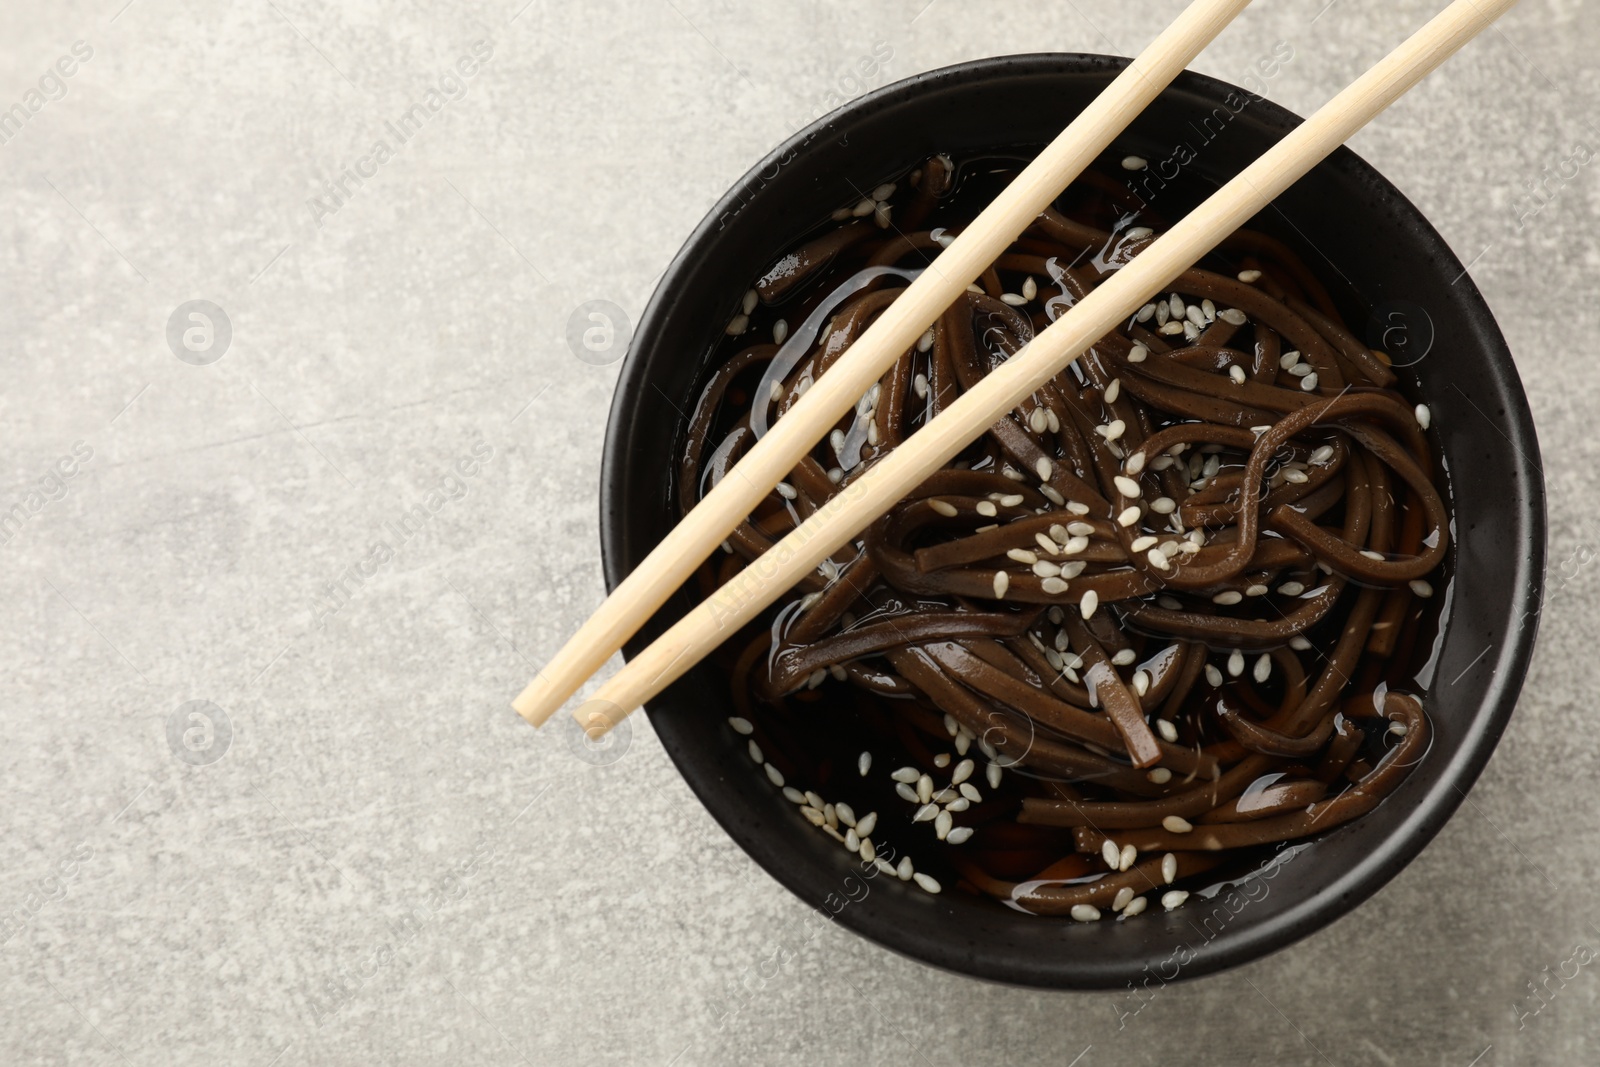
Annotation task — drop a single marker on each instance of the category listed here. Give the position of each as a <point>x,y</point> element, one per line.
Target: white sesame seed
<point>962,772</point>
<point>1109,853</point>
<point>1263,668</point>
<point>945,508</point>
<point>1138,233</point>
<point>1195,314</point>
<point>1076,508</point>
<point>1010,500</point>
<point>1235,663</point>
<point>1123,898</point>
<point>969,792</point>
<point>793,795</point>
<point>880,215</point>
<point>1323,454</point>
<point>786,490</point>
<point>846,813</point>
<point>987,509</point>
<point>1144,313</point>
<point>1309,383</point>
<point>908,775</point>
<point>775,775</point>
<point>927,813</point>
<point>1037,422</point>
<point>1158,559</point>
<point>1232,316</point>
<point>1135,906</point>
<point>1022,555</point>
<point>992,775</point>
<point>864,208</point>
<point>1074,545</point>
<point>1299,643</point>
<point>1030,288</point>
<point>1367,552</point>
<point>738,325</point>
<point>741,725</point>
<point>868,824</point>
<point>1424,416</point>
<point>1236,372</point>
<point>884,191</point>
<point>1170,603</point>
<point>1126,858</point>
<point>1176,306</point>
<point>1085,913</point>
<point>1141,682</point>
<point>1002,582</point>
<point>1127,487</point>
<point>1160,775</point>
<point>1227,597</point>
<point>1050,494</point>
<point>1255,590</point>
<point>1043,468</point>
<point>943,823</point>
<point>1124,657</point>
<point>831,814</point>
<point>1168,732</point>
<point>904,870</point>
<point>1169,868</point>
<point>851,840</point>
<point>1140,544</point>
<point>927,882</point>
<point>1289,359</point>
<point>1213,675</point>
<point>1090,601</point>
<point>1014,299</point>
<point>1128,517</point>
<point>1421,588</point>
<point>959,835</point>
<point>1138,354</point>
<point>1173,898</point>
<point>906,792</point>
<point>1249,277</point>
<point>1053,586</point>
<point>1176,824</point>
<point>1134,163</point>
<point>755,753</point>
<point>813,816</point>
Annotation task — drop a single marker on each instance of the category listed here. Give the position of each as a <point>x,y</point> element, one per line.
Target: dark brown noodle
<point>1146,681</point>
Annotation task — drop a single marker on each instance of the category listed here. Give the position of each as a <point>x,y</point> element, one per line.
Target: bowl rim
<point>1495,705</point>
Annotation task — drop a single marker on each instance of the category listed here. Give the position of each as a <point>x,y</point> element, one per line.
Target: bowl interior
<point>1385,265</point>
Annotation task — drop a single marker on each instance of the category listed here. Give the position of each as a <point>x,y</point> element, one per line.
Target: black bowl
<point>1390,269</point>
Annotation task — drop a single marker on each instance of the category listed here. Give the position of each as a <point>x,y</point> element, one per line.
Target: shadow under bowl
<point>1386,266</point>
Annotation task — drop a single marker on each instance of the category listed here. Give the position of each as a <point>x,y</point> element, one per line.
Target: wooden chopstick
<point>1103,310</point>
<point>788,440</point>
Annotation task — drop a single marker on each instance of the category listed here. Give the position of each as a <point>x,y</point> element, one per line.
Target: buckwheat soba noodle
<point>1161,620</point>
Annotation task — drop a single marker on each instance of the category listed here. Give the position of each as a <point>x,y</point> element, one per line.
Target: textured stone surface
<point>381,824</point>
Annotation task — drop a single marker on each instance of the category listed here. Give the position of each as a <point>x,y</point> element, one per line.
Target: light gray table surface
<point>386,865</point>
